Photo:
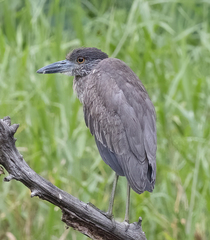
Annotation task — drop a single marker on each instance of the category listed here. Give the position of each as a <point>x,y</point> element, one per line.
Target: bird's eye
<point>80,59</point>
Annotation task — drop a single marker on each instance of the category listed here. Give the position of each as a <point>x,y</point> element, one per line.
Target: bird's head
<point>79,62</point>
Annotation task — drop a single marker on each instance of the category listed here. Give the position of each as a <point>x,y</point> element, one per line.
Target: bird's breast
<point>79,86</point>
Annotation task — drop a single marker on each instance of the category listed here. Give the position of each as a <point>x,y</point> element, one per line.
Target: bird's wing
<point>120,115</point>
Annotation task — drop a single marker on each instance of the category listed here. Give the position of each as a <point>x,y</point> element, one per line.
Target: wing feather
<point>120,115</point>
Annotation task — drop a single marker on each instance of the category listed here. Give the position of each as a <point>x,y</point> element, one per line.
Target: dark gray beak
<point>63,66</point>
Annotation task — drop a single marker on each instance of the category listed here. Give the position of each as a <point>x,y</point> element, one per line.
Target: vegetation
<point>167,44</point>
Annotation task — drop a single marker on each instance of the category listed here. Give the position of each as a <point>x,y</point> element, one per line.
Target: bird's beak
<point>63,66</point>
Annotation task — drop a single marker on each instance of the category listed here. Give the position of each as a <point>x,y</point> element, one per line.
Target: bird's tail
<point>140,175</point>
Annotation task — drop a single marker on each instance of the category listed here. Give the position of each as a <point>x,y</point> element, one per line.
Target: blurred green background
<point>167,44</point>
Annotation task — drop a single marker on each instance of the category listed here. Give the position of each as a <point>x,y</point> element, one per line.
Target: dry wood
<point>81,216</point>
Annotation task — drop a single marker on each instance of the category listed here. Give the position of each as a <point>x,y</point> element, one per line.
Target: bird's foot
<point>127,225</point>
<point>99,210</point>
<point>106,214</point>
<point>109,215</point>
<point>126,220</point>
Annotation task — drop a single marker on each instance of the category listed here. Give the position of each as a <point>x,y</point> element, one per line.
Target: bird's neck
<point>79,85</point>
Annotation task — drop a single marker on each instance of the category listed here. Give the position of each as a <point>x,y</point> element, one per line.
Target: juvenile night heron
<point>119,114</point>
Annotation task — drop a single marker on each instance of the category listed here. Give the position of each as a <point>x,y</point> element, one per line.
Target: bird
<point>119,114</point>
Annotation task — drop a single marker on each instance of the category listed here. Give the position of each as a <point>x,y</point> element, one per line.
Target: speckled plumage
<point>118,112</point>
<point>120,115</point>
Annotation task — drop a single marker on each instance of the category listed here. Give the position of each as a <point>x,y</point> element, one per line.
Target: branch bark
<point>81,216</point>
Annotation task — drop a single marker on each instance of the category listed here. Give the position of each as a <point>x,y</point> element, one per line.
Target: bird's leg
<point>111,203</point>
<point>127,203</point>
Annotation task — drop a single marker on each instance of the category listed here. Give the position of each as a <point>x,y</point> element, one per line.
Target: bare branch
<point>81,216</point>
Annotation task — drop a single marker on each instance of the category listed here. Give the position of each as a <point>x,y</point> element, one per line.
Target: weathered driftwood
<point>81,216</point>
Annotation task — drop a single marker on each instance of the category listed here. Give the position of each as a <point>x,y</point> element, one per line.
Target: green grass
<point>167,44</point>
